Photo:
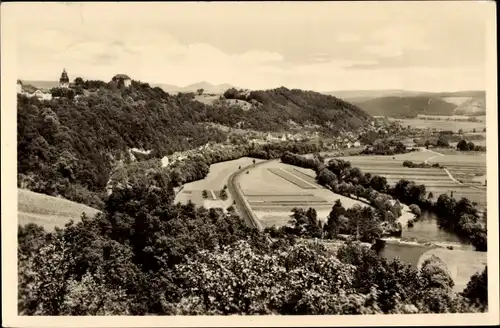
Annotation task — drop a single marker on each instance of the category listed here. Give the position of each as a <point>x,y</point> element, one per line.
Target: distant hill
<point>400,107</point>
<point>361,95</point>
<point>206,86</point>
<point>282,104</point>
<point>406,103</point>
<point>41,84</point>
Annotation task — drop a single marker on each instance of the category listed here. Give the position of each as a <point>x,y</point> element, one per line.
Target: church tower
<point>64,80</point>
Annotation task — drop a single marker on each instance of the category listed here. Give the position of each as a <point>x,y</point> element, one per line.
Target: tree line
<point>422,165</point>
<point>463,145</point>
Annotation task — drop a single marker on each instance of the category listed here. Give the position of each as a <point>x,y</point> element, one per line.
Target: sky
<point>322,46</point>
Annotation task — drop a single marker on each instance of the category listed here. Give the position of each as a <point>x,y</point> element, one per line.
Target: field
<point>48,211</point>
<point>442,125</point>
<point>465,169</point>
<point>469,168</point>
<point>461,264</point>
<point>213,183</point>
<point>209,100</point>
<point>274,189</point>
<point>206,99</point>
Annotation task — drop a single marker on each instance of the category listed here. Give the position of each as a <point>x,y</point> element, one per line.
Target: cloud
<point>396,40</point>
<point>385,50</point>
<point>348,38</point>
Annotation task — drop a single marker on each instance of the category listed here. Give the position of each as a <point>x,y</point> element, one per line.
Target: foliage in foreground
<point>144,255</point>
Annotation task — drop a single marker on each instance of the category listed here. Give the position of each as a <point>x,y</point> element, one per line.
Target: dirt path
<point>431,151</point>
<point>445,169</point>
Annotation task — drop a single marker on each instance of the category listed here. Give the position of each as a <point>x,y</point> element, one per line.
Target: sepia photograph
<point>257,162</point>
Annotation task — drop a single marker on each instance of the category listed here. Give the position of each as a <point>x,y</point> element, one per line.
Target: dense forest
<point>68,146</point>
<point>143,255</point>
<point>297,105</point>
<point>406,107</point>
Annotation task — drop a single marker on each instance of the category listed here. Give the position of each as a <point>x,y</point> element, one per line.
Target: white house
<point>42,95</point>
<point>357,144</point>
<point>165,161</point>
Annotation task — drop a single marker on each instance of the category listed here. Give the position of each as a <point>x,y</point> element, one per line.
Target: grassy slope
<point>48,211</point>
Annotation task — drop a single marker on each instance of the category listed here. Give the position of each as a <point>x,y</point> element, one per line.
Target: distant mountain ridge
<point>41,84</point>
<point>361,95</point>
<point>406,103</point>
<point>206,86</point>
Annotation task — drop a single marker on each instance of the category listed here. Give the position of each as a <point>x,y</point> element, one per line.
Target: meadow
<point>214,182</point>
<point>48,211</point>
<point>210,100</point>
<point>442,125</point>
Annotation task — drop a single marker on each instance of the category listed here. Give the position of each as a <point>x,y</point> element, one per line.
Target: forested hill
<point>281,105</point>
<point>406,107</point>
<point>66,146</point>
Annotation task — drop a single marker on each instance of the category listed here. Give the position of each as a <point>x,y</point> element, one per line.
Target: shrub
<point>415,210</point>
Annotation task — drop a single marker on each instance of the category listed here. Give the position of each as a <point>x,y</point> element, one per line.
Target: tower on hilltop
<point>64,80</point>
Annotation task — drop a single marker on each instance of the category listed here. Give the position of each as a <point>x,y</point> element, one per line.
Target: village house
<point>122,79</point>
<point>19,86</point>
<point>41,95</point>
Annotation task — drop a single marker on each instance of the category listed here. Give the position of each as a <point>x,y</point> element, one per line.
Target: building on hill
<point>64,79</point>
<point>19,86</point>
<point>122,79</point>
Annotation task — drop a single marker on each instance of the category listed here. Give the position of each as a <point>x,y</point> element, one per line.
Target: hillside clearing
<point>48,211</point>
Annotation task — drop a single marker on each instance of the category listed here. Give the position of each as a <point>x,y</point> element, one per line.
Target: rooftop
<point>121,76</point>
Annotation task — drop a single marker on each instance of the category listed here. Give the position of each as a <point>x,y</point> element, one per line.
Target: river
<point>424,236</point>
<point>426,239</point>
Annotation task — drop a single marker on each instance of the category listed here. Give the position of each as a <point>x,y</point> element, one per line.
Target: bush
<point>408,164</point>
<point>415,210</point>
